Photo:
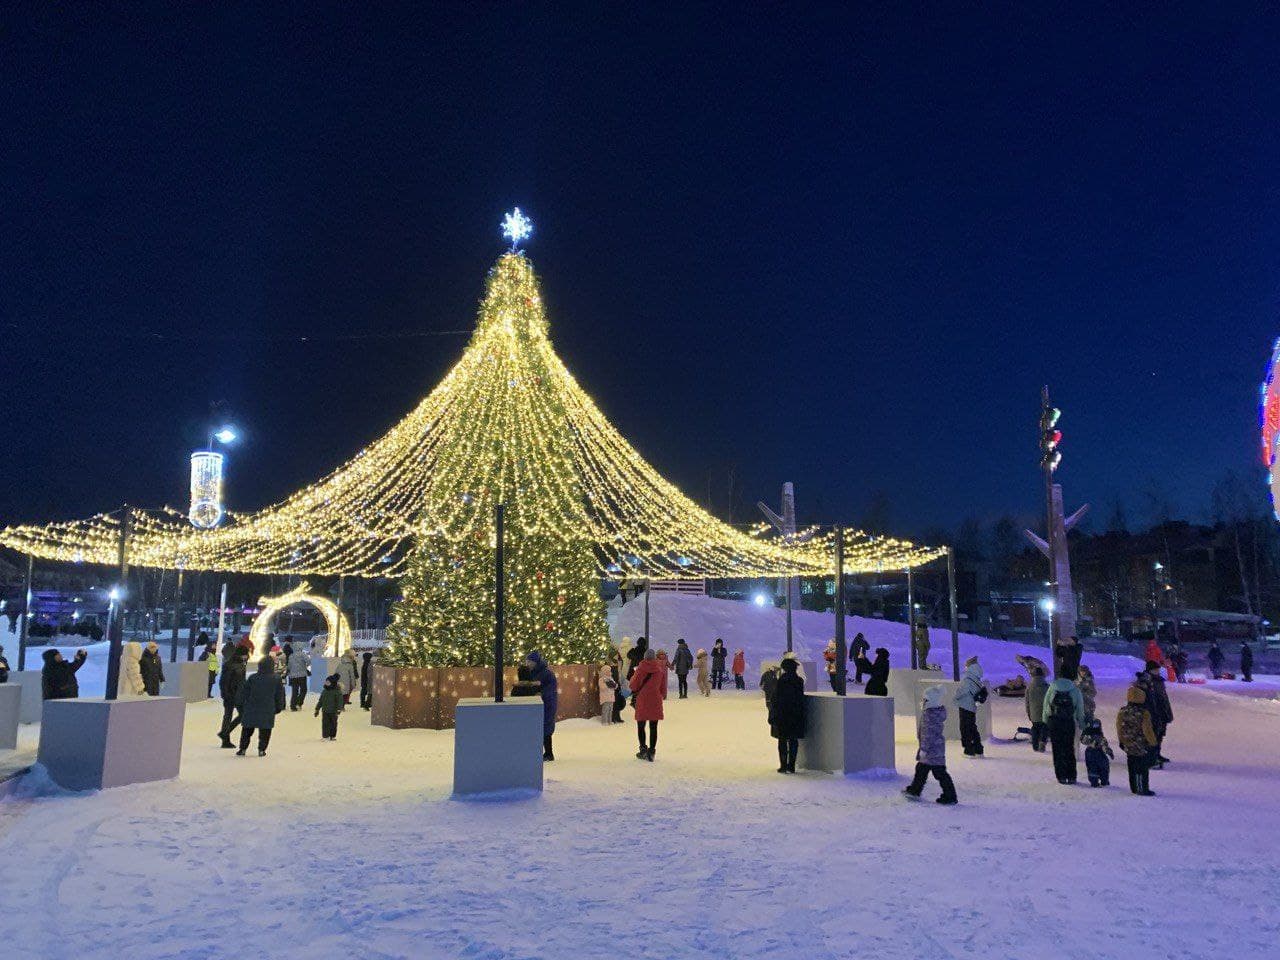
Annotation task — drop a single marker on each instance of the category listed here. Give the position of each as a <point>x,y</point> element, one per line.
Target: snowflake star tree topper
<point>516,227</point>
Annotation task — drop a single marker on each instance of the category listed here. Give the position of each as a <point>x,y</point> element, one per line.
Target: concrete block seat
<point>497,747</point>
<point>91,743</point>
<point>850,734</point>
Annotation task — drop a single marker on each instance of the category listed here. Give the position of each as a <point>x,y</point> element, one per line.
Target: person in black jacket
<point>878,673</point>
<point>4,667</point>
<point>1216,658</point>
<point>366,681</point>
<point>1246,662</point>
<point>58,677</point>
<point>261,698</point>
<point>1152,681</point>
<point>635,655</point>
<point>718,654</point>
<point>152,670</point>
<point>787,714</point>
<point>682,663</point>
<point>858,654</point>
<point>229,684</point>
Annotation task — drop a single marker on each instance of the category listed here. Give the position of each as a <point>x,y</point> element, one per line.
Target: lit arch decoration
<point>333,617</point>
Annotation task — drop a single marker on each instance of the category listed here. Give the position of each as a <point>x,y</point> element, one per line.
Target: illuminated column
<point>206,489</point>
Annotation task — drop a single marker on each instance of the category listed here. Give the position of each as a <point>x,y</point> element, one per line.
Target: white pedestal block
<point>949,690</point>
<point>190,681</point>
<point>811,675</point>
<point>321,667</point>
<point>903,687</point>
<point>32,692</point>
<point>848,734</point>
<point>11,695</point>
<point>92,743</point>
<point>497,747</point>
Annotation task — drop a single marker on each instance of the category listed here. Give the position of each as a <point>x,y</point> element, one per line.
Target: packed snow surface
<point>354,849</point>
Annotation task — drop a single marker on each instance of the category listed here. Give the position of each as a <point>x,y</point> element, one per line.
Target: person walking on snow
<point>972,692</point>
<point>683,664</point>
<point>328,707</point>
<point>700,662</point>
<point>348,674</point>
<point>1152,682</point>
<point>366,681</point>
<point>739,668</point>
<point>1064,715</point>
<point>229,684</point>
<point>1137,738</point>
<point>152,668</point>
<point>1088,691</point>
<point>130,682</point>
<point>260,698</point>
<point>718,656</point>
<point>932,755</point>
<point>297,667</point>
<point>920,637</point>
<point>541,674</point>
<point>1097,753</point>
<point>787,714</point>
<point>210,656</point>
<point>1035,694</point>
<point>857,654</point>
<point>1246,662</point>
<point>649,689</point>
<point>1216,659</point>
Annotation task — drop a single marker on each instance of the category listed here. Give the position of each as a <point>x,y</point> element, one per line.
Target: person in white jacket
<point>348,674</point>
<point>607,687</point>
<point>130,682</point>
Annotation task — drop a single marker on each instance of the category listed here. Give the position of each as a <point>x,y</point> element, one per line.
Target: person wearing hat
<point>931,757</point>
<point>152,669</point>
<point>1137,738</point>
<point>972,692</point>
<point>328,707</point>
<point>58,676</point>
<point>787,713</point>
<point>1152,682</point>
<point>260,698</point>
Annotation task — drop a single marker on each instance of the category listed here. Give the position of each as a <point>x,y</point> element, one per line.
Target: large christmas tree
<point>517,449</point>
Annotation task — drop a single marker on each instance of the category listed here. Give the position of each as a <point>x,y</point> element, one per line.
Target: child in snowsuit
<point>328,707</point>
<point>932,755</point>
<point>739,668</point>
<point>1137,738</point>
<point>1097,753</point>
<point>607,685</point>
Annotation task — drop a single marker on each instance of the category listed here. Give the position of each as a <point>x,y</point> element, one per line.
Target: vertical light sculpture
<point>206,489</point>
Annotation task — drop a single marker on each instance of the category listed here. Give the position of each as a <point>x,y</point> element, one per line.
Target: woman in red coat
<point>649,687</point>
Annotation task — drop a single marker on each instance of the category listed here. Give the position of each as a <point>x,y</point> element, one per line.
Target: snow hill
<point>761,632</point>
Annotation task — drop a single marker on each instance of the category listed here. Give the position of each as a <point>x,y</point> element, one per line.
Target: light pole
<point>1048,606</point>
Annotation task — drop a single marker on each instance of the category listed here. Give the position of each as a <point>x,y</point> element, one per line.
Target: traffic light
<point>1050,437</point>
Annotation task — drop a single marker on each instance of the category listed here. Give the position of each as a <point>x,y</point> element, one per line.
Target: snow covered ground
<point>354,849</point>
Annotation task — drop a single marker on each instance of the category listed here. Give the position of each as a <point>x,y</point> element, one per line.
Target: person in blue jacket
<point>541,674</point>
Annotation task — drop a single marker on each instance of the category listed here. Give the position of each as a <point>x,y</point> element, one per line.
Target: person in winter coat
<point>1030,663</point>
<point>229,684</point>
<point>718,656</point>
<point>739,669</point>
<point>540,673</point>
<point>932,755</point>
<point>769,682</point>
<point>1152,681</point>
<point>648,689</point>
<point>4,667</point>
<point>858,652</point>
<point>877,674</point>
<point>1153,651</point>
<point>210,657</point>
<point>1088,691</point>
<point>58,676</point>
<point>1097,753</point>
<point>129,683</point>
<point>348,674</point>
<point>635,655</point>
<point>1178,657</point>
<point>1246,662</point>
<point>920,637</point>
<point>152,668</point>
<point>606,686</point>
<point>787,714</point>
<point>366,681</point>
<point>1066,657</point>
<point>700,662</point>
<point>1036,691</point>
<point>328,707</point>
<point>1216,659</point>
<point>616,667</point>
<point>829,658</point>
<point>1137,738</point>
<point>683,663</point>
<point>260,698</point>
<point>1064,714</point>
<point>525,685</point>
<point>972,692</point>
<point>297,667</point>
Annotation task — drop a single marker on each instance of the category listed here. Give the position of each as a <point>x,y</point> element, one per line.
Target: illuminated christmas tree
<point>517,449</point>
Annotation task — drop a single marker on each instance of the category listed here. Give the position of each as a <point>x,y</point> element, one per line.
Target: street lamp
<point>1048,606</point>
<point>207,508</point>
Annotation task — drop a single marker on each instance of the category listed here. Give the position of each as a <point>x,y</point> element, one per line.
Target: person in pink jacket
<point>649,688</point>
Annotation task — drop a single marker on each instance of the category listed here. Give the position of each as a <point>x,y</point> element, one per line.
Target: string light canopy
<point>507,422</point>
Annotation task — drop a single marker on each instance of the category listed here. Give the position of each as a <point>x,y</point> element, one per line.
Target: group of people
<point>876,671</point>
<point>1217,659</point>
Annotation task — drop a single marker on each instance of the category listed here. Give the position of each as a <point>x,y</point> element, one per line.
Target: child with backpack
<point>1137,738</point>
<point>328,708</point>
<point>1064,714</point>
<point>1097,753</point>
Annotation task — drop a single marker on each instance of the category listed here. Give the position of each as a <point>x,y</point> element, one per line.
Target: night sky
<point>843,249</point>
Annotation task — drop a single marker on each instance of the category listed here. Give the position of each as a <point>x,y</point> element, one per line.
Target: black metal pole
<point>955,614</point>
<point>26,614</point>
<point>647,584</point>
<point>499,611</point>
<point>177,616</point>
<point>788,588</point>
<point>842,649</point>
<point>115,632</point>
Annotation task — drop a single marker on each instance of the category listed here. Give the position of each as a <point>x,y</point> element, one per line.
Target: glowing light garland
<point>513,423</point>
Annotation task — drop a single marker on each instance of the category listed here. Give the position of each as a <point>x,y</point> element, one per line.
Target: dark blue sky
<point>839,248</point>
